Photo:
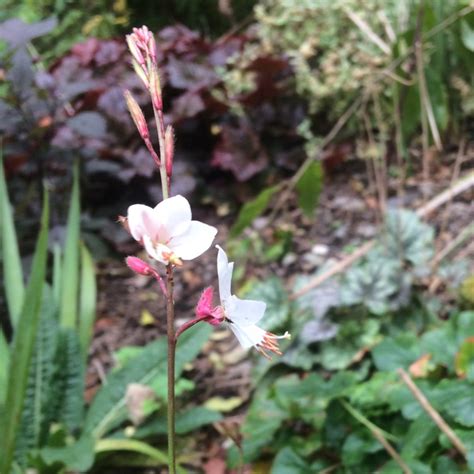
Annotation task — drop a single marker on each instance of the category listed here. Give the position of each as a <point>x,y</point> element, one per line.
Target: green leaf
<point>465,359</point>
<point>263,420</point>
<point>274,294</point>
<point>195,418</point>
<point>356,446</point>
<point>420,435</point>
<point>455,397</point>
<point>67,390</point>
<point>373,283</point>
<point>70,270</point>
<point>87,300</point>
<point>287,461</point>
<point>397,352</point>
<point>408,238</point>
<point>353,336</point>
<point>36,413</point>
<point>374,392</point>
<point>416,467</point>
<point>108,407</point>
<point>79,456</point>
<point>4,362</point>
<point>251,210</point>
<point>12,271</point>
<point>186,421</point>
<point>309,187</point>
<point>445,464</point>
<point>57,267</point>
<point>23,345</point>
<point>134,445</point>
<point>467,35</point>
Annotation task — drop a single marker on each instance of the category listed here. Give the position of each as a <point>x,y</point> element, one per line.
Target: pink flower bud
<point>169,150</point>
<point>205,311</point>
<point>155,88</point>
<point>140,72</point>
<point>142,33</point>
<point>152,48</point>
<point>137,115</point>
<point>139,266</point>
<point>134,49</point>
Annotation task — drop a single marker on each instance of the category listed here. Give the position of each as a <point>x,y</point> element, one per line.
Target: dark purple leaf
<point>21,73</point>
<point>141,163</point>
<point>86,51</point>
<point>187,75</point>
<point>112,103</point>
<point>240,151</point>
<point>64,138</point>
<point>187,105</point>
<point>9,118</point>
<point>180,40</point>
<point>16,32</point>
<point>223,51</point>
<point>109,52</point>
<point>44,80</point>
<point>89,124</point>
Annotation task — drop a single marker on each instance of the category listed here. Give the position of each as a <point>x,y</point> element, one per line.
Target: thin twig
<point>426,105</point>
<point>455,175</point>
<point>459,187</point>
<point>330,469</point>
<point>462,237</point>
<point>378,434</point>
<point>367,30</point>
<point>435,416</point>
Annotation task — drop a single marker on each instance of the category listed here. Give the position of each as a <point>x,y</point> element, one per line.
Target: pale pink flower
<point>167,231</point>
<point>242,315</point>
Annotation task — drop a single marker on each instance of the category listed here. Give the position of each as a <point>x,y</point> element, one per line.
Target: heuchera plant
<point>169,236</point>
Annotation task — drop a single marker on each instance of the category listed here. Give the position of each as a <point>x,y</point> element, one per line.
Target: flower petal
<point>245,312</point>
<point>140,221</point>
<point>194,242</point>
<point>224,273</point>
<point>174,214</point>
<point>248,336</point>
<point>155,251</point>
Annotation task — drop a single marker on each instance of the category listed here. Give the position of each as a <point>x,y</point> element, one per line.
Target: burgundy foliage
<point>76,108</point>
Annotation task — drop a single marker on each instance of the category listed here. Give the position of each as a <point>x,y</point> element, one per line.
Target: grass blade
<point>70,271</point>
<point>22,346</point>
<point>4,362</point>
<point>12,271</point>
<point>57,267</point>
<point>87,300</point>
<point>134,445</point>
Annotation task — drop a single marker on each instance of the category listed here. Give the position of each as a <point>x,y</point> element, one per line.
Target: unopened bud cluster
<point>142,46</point>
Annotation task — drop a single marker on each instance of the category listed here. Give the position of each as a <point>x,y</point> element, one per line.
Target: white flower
<point>167,231</point>
<point>242,315</point>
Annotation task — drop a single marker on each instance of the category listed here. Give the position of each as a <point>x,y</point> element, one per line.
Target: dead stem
<point>459,187</point>
<point>435,416</point>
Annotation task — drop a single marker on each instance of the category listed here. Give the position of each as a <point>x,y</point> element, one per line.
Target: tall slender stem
<point>171,370</point>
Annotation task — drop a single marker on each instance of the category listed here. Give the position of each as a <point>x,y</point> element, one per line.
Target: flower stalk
<point>171,369</point>
<point>170,236</point>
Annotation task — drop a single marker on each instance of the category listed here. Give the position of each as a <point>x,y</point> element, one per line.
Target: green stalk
<point>169,306</point>
<point>171,369</point>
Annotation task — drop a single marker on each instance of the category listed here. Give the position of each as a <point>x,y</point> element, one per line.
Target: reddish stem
<point>188,325</point>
